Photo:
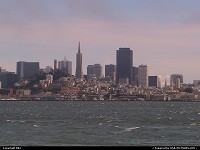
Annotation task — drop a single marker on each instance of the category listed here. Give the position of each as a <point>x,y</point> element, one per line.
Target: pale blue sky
<point>165,34</point>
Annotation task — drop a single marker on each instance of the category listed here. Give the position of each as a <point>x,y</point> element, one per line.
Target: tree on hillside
<point>188,90</point>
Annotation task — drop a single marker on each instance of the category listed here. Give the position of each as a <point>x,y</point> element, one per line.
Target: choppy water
<point>67,123</point>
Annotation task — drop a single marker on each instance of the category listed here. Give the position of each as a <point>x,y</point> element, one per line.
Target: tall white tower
<point>143,74</point>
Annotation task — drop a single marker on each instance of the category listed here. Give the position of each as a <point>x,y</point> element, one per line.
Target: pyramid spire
<point>79,47</point>
<point>79,69</point>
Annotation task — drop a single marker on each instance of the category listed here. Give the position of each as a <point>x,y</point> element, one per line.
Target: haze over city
<point>162,34</point>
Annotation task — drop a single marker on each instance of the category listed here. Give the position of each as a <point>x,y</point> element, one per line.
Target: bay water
<point>99,123</point>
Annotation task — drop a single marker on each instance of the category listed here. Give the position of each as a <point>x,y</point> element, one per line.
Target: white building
<point>143,75</point>
<point>49,78</point>
<point>178,83</point>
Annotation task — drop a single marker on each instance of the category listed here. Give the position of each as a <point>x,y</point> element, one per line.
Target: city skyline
<point>162,34</point>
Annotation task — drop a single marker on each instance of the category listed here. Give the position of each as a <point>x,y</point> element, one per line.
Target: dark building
<point>6,91</point>
<point>153,81</point>
<point>26,70</point>
<point>124,63</point>
<point>135,76</point>
<point>8,79</point>
<point>110,71</point>
<point>90,71</point>
<point>55,64</point>
<point>79,68</point>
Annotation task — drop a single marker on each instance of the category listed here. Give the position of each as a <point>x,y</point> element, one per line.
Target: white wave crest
<point>132,128</point>
<point>35,125</point>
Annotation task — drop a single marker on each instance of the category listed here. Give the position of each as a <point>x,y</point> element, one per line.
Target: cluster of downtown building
<point>125,80</point>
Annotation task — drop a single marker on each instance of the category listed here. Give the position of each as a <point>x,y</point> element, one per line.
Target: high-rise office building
<point>173,79</point>
<point>55,64</point>
<point>124,63</point>
<point>26,70</point>
<point>143,76</point>
<point>110,71</point>
<point>135,76</point>
<point>153,81</point>
<point>65,66</point>
<point>8,79</point>
<point>90,72</point>
<point>79,68</point>
<point>94,71</point>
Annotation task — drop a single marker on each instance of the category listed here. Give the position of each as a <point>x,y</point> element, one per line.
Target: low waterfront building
<point>69,90</point>
<point>22,92</point>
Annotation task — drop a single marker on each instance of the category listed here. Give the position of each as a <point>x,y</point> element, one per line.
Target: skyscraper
<point>65,66</point>
<point>135,76</point>
<point>8,79</point>
<point>110,71</point>
<point>153,81</point>
<point>25,70</point>
<point>79,68</point>
<point>173,79</point>
<point>55,64</point>
<point>94,71</point>
<point>124,65</point>
<point>143,75</point>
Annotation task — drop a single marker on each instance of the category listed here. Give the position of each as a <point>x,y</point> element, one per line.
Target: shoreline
<point>15,100</point>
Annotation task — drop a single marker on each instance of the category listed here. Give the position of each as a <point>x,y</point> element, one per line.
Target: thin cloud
<point>164,31</point>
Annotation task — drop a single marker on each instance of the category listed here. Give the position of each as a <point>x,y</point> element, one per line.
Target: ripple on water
<point>181,112</point>
<point>22,121</point>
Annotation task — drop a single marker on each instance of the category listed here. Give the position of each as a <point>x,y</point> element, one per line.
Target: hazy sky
<point>165,34</point>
